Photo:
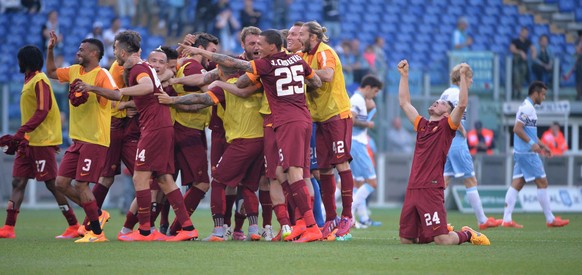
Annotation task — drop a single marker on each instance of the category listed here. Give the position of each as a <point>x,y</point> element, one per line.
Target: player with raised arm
<point>154,156</point>
<point>459,161</point>
<point>528,164</point>
<point>37,139</point>
<point>282,76</point>
<point>89,127</point>
<point>423,218</point>
<point>330,109</point>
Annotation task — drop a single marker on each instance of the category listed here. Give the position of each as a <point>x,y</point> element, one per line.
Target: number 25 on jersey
<point>291,75</point>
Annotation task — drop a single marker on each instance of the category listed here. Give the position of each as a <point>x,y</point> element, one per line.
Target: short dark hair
<point>97,43</point>
<point>372,81</point>
<point>170,52</point>
<point>536,86</point>
<point>203,39</point>
<point>130,41</point>
<point>451,105</point>
<point>273,37</point>
<point>30,58</point>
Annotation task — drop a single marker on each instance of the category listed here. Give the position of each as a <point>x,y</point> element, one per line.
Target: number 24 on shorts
<point>430,220</point>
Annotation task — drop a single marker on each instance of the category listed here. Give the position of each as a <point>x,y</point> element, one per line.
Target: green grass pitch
<point>534,249</point>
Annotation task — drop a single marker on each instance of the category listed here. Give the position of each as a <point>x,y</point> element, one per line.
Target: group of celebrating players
<point>280,120</point>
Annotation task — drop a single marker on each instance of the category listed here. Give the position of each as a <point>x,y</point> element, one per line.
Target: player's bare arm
<point>189,40</point>
<point>125,104</point>
<point>144,86</point>
<point>314,82</point>
<point>233,89</point>
<point>243,81</point>
<point>196,79</point>
<point>189,99</point>
<point>109,94</point>
<point>520,132</point>
<point>221,59</point>
<point>362,123</point>
<point>404,92</point>
<point>326,74</point>
<point>51,68</point>
<point>457,113</point>
<point>166,75</point>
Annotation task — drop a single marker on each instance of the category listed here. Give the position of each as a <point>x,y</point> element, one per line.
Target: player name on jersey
<point>291,60</point>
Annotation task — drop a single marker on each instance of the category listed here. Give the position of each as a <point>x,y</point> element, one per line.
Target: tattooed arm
<point>189,99</point>
<point>221,59</point>
<point>196,79</point>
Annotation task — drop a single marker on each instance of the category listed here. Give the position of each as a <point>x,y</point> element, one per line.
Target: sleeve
<point>258,66</point>
<point>417,122</point>
<point>523,115</point>
<point>63,74</point>
<point>138,72</point>
<point>105,80</point>
<point>217,95</point>
<point>193,68</point>
<point>43,105</point>
<point>356,104</point>
<point>309,73</point>
<point>116,73</point>
<point>452,124</point>
<point>326,59</point>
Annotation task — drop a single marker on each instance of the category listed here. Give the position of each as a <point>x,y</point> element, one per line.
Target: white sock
<point>510,199</point>
<point>125,230</point>
<point>475,201</point>
<point>360,201</point>
<point>545,203</point>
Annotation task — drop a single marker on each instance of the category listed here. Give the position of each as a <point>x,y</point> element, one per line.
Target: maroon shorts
<point>423,214</point>
<point>155,151</point>
<point>217,147</point>
<point>271,152</point>
<point>121,148</point>
<point>132,130</point>
<point>242,162</point>
<point>190,154</point>
<point>333,140</point>
<point>38,162</point>
<point>293,143</point>
<point>83,162</point>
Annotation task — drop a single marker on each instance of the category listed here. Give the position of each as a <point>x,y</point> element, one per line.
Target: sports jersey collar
<point>530,101</point>
<point>29,75</point>
<point>278,55</point>
<point>454,86</point>
<point>314,50</point>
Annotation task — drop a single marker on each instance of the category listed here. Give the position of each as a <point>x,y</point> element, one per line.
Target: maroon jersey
<point>283,78</point>
<point>152,114</point>
<point>433,139</point>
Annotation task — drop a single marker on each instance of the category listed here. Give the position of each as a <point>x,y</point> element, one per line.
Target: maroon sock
<point>267,206</point>
<point>282,214</point>
<point>155,211</point>
<point>11,215</point>
<point>100,192</point>
<point>230,199</point>
<point>347,192</point>
<point>144,198</point>
<point>92,212</point>
<point>327,186</point>
<point>164,213</point>
<point>192,198</point>
<point>291,211</point>
<point>69,214</point>
<point>301,197</point>
<point>251,202</point>
<point>464,236</point>
<point>175,199</point>
<point>130,220</point>
<point>239,221</point>
<point>217,198</point>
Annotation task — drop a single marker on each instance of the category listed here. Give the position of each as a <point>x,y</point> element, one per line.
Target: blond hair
<point>456,74</point>
<point>318,30</point>
<point>246,31</point>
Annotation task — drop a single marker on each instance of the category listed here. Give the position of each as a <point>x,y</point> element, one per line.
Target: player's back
<point>152,114</point>
<point>433,140</point>
<point>283,77</point>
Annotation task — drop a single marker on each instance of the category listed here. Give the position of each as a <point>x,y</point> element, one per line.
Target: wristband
<point>531,142</point>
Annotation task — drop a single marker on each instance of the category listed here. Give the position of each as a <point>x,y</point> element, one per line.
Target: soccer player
<point>190,139</point>
<point>330,110</point>
<point>282,76</point>
<point>89,128</point>
<point>423,218</point>
<point>39,137</point>
<point>362,165</point>
<point>154,155</point>
<point>459,161</point>
<point>242,161</point>
<point>528,164</point>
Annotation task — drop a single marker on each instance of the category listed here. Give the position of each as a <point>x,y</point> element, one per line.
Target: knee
<point>343,166</point>
<point>406,241</point>
<point>203,186</point>
<point>19,184</point>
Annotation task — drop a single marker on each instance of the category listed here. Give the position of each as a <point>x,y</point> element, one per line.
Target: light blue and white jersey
<point>452,94</point>
<point>359,134</point>
<point>527,115</point>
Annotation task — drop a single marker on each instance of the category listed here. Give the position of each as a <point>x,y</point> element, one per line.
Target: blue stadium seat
<point>567,5</point>
<point>578,14</point>
<point>525,20</point>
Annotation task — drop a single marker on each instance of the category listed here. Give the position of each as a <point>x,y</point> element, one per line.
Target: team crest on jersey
<point>435,128</point>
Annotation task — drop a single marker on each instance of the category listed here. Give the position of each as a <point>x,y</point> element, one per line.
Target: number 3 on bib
<point>291,74</point>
